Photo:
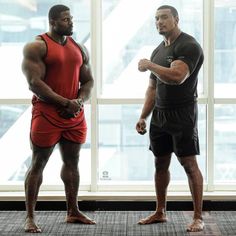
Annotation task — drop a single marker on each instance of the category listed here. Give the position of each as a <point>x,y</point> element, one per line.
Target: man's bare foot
<point>196,226</point>
<point>156,217</point>
<point>31,227</point>
<point>80,218</point>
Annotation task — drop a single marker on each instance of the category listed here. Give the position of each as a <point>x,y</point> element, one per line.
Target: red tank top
<point>63,64</point>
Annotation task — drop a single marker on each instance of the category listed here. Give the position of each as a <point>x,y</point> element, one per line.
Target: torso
<point>169,96</point>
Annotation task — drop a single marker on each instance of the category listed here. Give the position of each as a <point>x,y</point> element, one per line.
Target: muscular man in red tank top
<point>58,73</point>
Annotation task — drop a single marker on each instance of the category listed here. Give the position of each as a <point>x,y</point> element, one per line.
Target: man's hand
<point>72,109</point>
<point>141,126</point>
<point>143,65</point>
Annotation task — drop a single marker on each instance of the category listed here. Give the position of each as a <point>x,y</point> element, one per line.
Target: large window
<point>118,33</point>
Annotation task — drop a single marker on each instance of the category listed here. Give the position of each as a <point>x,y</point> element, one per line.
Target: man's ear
<point>52,22</point>
<point>177,19</point>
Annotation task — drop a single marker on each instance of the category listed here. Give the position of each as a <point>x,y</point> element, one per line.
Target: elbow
<point>32,85</point>
<point>92,83</point>
<point>178,79</point>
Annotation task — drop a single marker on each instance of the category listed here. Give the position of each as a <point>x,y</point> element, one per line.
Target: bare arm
<point>34,69</point>
<point>149,101</point>
<point>176,74</point>
<point>86,79</point>
<point>148,106</point>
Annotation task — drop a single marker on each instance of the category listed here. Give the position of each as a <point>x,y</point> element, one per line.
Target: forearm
<point>166,75</point>
<point>45,93</point>
<point>85,90</point>
<point>149,103</point>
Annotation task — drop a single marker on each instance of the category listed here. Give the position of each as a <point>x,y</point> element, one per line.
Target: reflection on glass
<point>225,148</point>
<point>225,56</point>
<point>133,36</point>
<point>16,153</point>
<point>124,154</point>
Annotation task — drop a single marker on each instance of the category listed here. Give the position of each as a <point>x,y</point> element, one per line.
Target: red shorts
<point>47,128</point>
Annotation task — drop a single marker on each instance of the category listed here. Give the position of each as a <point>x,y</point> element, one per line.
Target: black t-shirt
<point>184,48</point>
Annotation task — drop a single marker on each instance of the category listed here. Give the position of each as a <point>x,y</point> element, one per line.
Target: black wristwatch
<point>80,101</point>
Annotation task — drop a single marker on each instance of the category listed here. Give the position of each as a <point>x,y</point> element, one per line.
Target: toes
<point>33,230</point>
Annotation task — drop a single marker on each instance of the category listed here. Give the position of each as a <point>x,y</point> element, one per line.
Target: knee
<point>37,166</point>
<point>162,164</point>
<point>189,166</point>
<point>71,163</point>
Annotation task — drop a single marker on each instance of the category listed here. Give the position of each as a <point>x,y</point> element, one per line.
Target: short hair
<point>174,12</point>
<point>55,11</point>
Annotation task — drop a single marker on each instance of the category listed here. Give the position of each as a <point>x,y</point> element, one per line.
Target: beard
<point>162,32</point>
<point>67,32</point>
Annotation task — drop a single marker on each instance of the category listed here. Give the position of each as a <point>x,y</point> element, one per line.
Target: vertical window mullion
<point>96,48</point>
<point>208,35</point>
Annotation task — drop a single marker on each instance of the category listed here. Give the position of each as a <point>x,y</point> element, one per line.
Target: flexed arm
<point>176,74</point>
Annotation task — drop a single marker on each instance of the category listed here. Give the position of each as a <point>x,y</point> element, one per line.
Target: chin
<point>68,33</point>
<point>162,33</point>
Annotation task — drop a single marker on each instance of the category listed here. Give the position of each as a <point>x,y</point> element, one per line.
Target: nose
<point>158,23</point>
<point>71,23</point>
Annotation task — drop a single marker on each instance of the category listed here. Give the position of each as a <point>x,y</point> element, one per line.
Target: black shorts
<point>175,131</point>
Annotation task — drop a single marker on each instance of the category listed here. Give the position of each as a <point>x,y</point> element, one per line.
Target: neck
<point>172,36</point>
<point>58,38</point>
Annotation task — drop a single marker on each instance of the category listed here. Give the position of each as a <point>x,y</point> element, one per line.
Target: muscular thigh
<point>69,151</point>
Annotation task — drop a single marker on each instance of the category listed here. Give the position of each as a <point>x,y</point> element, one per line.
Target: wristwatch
<point>80,101</point>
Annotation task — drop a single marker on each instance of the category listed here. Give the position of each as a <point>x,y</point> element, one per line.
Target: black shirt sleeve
<point>190,53</point>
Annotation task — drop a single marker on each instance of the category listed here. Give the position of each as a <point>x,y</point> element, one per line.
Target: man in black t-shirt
<point>171,97</point>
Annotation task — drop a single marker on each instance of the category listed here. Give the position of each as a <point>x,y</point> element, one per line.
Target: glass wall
<point>225,149</point>
<point>224,90</point>
<point>225,49</point>
<point>114,154</point>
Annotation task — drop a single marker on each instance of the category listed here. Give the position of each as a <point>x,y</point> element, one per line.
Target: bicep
<point>32,65</point>
<point>181,68</point>
<point>85,73</point>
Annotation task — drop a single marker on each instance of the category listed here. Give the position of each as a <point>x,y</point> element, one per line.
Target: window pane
<point>124,154</point>
<point>225,48</point>
<point>225,148</point>
<point>14,141</point>
<point>16,153</point>
<point>21,21</point>
<point>133,36</point>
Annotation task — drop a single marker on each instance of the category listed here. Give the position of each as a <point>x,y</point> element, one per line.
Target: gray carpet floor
<point>119,223</point>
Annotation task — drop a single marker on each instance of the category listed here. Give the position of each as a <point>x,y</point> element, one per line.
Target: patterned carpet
<point>119,223</point>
